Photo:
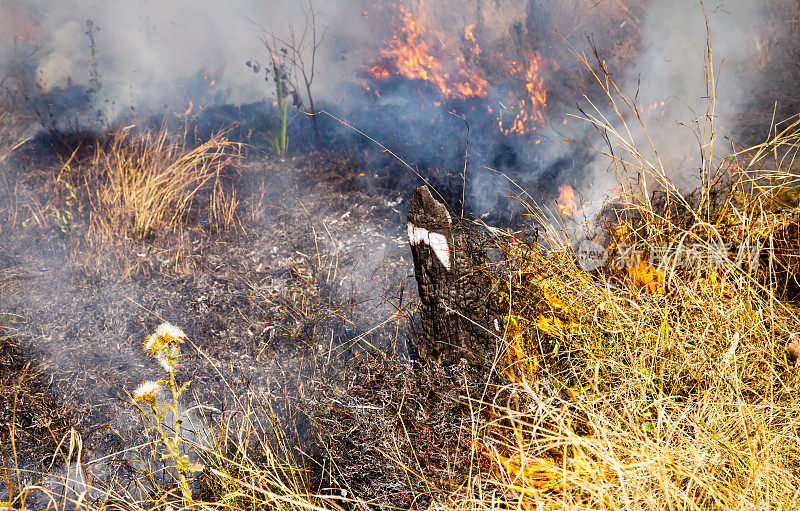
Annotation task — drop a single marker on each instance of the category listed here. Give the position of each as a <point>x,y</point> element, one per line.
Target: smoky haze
<point>673,91</point>
<point>149,56</point>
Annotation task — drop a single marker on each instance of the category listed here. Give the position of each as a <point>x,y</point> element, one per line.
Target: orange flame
<point>529,108</point>
<point>379,72</point>
<point>188,111</point>
<point>20,21</point>
<point>470,37</point>
<point>420,52</point>
<point>566,201</point>
<point>523,474</point>
<point>408,54</point>
<point>646,277</point>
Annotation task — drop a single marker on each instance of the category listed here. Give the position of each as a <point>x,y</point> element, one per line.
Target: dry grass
<point>131,189</point>
<point>245,457</point>
<point>132,185</point>
<point>684,400</point>
<point>680,399</point>
<point>147,183</point>
<point>10,141</point>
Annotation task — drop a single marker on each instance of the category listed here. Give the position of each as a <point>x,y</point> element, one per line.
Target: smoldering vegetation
<point>506,69</point>
<point>243,171</point>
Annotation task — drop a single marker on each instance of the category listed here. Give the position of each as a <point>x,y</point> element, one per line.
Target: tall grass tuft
<point>147,183</point>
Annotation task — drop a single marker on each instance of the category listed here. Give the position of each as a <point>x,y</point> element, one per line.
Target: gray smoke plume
<point>147,55</point>
<point>674,93</point>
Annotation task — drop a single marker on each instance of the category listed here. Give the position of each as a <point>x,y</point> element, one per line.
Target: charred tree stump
<point>457,317</point>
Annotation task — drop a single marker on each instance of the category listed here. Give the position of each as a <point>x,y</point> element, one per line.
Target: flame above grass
<point>457,67</point>
<point>529,109</point>
<point>566,201</point>
<point>409,54</point>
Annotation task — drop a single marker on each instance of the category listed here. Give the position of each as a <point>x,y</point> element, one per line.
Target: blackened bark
<point>458,318</point>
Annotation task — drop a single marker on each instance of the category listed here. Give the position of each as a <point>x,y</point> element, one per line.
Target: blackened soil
<point>315,277</point>
<point>33,419</point>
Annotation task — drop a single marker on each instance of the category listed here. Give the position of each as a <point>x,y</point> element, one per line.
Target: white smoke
<point>150,54</point>
<point>670,86</point>
<point>153,54</point>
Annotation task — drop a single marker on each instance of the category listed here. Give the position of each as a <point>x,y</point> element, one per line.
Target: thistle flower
<point>147,392</point>
<point>168,358</point>
<point>150,344</point>
<point>163,345</point>
<point>165,336</point>
<point>162,360</point>
<point>170,333</point>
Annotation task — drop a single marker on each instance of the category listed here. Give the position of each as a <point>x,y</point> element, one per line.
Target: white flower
<point>163,345</point>
<point>147,392</point>
<point>162,359</point>
<point>150,344</point>
<point>170,333</point>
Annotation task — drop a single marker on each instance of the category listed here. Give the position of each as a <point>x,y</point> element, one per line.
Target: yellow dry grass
<point>680,397</point>
<point>147,183</point>
<point>678,392</point>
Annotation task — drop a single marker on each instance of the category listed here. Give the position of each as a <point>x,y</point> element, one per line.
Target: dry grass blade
<point>147,183</point>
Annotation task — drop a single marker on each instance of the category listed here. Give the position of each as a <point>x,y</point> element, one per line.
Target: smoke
<point>150,54</point>
<point>145,56</point>
<point>678,96</point>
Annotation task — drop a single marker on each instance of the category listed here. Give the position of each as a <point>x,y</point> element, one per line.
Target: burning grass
<point>683,398</point>
<point>631,387</point>
<point>611,395</point>
<point>678,390</point>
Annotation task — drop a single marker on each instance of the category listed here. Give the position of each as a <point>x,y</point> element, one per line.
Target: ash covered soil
<point>314,283</point>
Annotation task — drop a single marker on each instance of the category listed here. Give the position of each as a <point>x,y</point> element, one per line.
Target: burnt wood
<point>457,317</point>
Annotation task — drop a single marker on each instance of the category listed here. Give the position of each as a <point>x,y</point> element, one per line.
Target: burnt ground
<point>315,284</point>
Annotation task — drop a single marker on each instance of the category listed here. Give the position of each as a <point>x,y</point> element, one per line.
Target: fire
<point>646,277</point>
<point>527,475</point>
<point>21,22</point>
<point>566,201</point>
<point>408,54</point>
<point>379,72</point>
<point>530,107</point>
<point>470,37</point>
<point>457,67</point>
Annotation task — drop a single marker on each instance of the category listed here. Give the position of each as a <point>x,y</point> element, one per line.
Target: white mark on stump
<point>439,245</point>
<point>413,232</point>
<point>436,241</point>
